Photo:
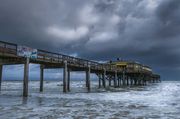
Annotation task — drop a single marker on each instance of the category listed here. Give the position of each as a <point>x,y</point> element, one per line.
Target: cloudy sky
<point>147,31</point>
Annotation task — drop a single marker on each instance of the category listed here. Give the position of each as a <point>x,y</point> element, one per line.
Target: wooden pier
<point>106,72</point>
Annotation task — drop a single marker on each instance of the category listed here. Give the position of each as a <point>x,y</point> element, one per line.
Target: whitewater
<point>154,101</point>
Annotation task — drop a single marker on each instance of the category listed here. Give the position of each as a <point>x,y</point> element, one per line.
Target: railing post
<point>26,77</point>
<point>41,78</point>
<point>65,77</point>
<point>1,71</point>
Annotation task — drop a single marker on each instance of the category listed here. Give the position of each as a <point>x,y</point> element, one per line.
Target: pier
<point>115,74</point>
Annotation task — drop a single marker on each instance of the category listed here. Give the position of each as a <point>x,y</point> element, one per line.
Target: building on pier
<point>131,66</point>
<point>136,71</point>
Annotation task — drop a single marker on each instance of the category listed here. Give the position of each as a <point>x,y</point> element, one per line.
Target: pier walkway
<point>11,54</point>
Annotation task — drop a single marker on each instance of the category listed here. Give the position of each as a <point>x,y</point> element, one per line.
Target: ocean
<point>155,101</point>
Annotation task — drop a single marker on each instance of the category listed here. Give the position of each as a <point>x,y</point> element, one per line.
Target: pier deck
<point>9,55</point>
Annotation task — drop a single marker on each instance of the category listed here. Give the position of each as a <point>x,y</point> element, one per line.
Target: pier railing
<point>10,49</point>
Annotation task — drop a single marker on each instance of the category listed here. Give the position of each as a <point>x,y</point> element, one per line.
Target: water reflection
<point>24,100</point>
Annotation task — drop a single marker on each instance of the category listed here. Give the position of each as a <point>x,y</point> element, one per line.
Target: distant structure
<point>134,73</point>
<point>122,73</point>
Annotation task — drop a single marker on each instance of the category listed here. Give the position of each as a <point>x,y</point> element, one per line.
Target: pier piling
<point>1,70</point>
<point>132,83</point>
<point>68,80</point>
<point>104,78</point>
<point>65,77</point>
<point>127,79</point>
<point>115,79</point>
<point>99,76</point>
<point>118,82</point>
<point>135,81</point>
<point>41,78</point>
<point>26,77</point>
<point>109,82</point>
<point>88,71</point>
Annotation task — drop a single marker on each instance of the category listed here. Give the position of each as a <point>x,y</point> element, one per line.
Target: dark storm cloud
<point>168,14</point>
<point>25,21</point>
<point>142,30</point>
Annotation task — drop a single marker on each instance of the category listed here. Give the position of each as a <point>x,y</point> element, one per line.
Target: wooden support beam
<point>135,81</point>
<point>86,78</point>
<point>127,80</point>
<point>100,82</point>
<point>88,72</point>
<point>123,78</point>
<point>118,82</point>
<point>109,82</point>
<point>65,77</point>
<point>139,80</point>
<point>145,82</point>
<point>131,80</point>
<point>41,78</point>
<point>68,80</point>
<point>1,72</point>
<point>104,78</point>
<point>115,79</point>
<point>26,77</point>
<point>123,82</point>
